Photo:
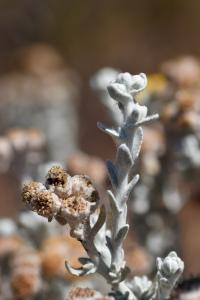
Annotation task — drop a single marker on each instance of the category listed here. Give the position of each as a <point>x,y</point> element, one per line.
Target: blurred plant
<point>42,94</point>
<point>32,256</point>
<point>92,166</point>
<point>22,150</point>
<point>101,226</point>
<point>188,289</point>
<point>99,83</point>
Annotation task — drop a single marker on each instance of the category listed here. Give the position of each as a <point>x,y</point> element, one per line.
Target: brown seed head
<point>83,293</point>
<point>46,204</point>
<point>75,206</point>
<point>82,185</point>
<point>57,176</point>
<point>30,190</point>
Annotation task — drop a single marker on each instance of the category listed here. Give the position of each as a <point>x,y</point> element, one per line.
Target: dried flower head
<point>30,190</point>
<point>57,176</point>
<point>58,181</point>
<point>25,275</point>
<point>82,185</point>
<point>40,200</point>
<point>79,293</point>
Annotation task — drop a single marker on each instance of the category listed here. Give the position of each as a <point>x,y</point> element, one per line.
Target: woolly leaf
<point>125,272</point>
<point>84,260</point>
<point>124,160</point>
<point>113,202</point>
<point>130,187</point>
<point>99,223</point>
<point>148,119</point>
<point>110,131</point>
<point>113,174</point>
<point>121,234</point>
<point>109,243</point>
<point>137,142</point>
<point>85,270</point>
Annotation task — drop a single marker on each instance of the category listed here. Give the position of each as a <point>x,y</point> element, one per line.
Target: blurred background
<point>52,95</point>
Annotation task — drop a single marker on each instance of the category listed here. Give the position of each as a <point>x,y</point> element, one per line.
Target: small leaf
<point>130,187</point>
<point>148,119</point>
<point>99,223</point>
<point>109,243</point>
<point>113,202</point>
<point>124,160</point>
<point>110,131</point>
<point>85,270</point>
<point>84,260</point>
<point>121,234</point>
<point>113,174</point>
<point>136,143</point>
<point>88,266</point>
<point>112,275</point>
<point>73,271</point>
<point>124,273</point>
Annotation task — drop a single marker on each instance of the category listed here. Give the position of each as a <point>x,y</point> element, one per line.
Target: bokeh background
<point>49,51</point>
<point>129,35</point>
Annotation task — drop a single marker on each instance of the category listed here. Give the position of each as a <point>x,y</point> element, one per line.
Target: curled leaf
<point>86,269</point>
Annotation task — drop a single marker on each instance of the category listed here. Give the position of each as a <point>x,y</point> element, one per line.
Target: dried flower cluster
<point>74,201</point>
<point>70,200</point>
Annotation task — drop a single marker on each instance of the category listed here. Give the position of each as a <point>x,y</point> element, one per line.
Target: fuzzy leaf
<point>110,131</point>
<point>125,272</point>
<point>113,174</point>
<point>130,187</point>
<point>85,270</point>
<point>113,202</point>
<point>100,221</point>
<point>84,260</point>
<point>148,119</point>
<point>109,243</point>
<point>121,234</point>
<point>73,271</point>
<point>137,142</point>
<point>124,160</point>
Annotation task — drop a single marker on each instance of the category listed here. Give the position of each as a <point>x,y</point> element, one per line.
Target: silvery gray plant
<point>101,225</point>
<point>149,221</point>
<point>108,231</point>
